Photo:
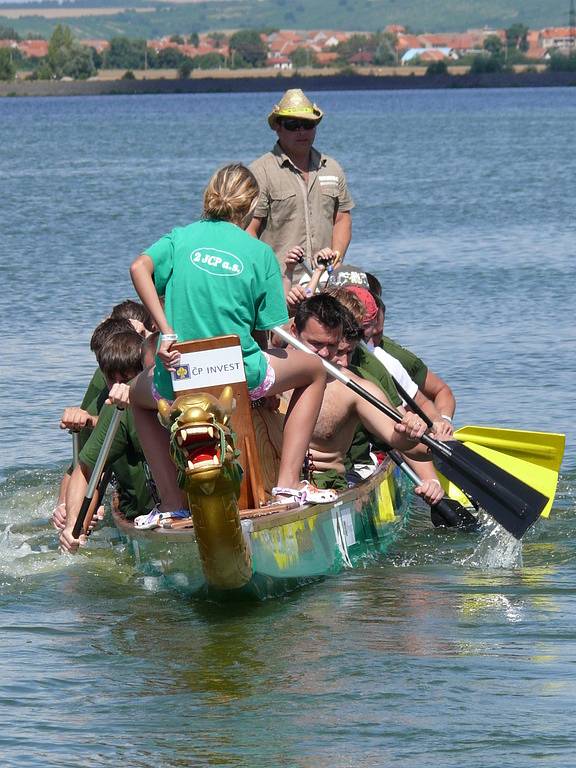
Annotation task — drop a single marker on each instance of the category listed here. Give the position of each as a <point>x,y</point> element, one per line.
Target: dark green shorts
<point>330,479</point>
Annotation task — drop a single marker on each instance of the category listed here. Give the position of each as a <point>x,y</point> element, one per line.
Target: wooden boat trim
<point>266,517</point>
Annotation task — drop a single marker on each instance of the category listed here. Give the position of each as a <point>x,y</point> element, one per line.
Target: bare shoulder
<point>370,387</point>
<point>336,390</point>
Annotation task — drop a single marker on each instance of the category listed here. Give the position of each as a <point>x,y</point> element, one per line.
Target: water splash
<point>12,547</point>
<point>497,547</point>
<point>28,542</point>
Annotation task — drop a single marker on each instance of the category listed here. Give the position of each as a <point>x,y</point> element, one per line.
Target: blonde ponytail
<point>231,194</point>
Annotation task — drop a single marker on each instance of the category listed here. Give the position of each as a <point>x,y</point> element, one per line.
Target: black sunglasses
<point>292,124</point>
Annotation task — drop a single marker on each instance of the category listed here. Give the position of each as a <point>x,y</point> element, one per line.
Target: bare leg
<point>306,376</point>
<point>155,443</point>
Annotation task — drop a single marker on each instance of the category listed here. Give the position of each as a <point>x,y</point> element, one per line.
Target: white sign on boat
<point>209,368</point>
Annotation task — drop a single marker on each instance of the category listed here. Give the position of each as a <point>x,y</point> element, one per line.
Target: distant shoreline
<point>337,82</point>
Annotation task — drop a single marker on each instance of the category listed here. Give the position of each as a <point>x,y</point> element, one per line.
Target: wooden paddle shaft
<point>96,476</point>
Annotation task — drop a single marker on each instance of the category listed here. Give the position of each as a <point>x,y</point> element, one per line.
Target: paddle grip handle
<point>336,373</point>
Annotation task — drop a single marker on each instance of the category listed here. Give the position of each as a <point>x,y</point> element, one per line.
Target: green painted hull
<point>290,548</point>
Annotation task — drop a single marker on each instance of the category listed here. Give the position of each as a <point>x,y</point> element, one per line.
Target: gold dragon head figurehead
<point>201,441</point>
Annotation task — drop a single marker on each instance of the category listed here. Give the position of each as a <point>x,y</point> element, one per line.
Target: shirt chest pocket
<point>329,199</point>
<point>284,205</point>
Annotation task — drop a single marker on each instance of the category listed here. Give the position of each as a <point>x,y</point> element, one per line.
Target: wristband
<point>446,418</point>
<point>168,337</point>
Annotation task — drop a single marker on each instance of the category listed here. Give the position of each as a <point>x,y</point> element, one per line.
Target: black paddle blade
<point>449,513</point>
<point>515,505</point>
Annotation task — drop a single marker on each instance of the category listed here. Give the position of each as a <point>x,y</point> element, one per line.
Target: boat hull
<point>290,547</point>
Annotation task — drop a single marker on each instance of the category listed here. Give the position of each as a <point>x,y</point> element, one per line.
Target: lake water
<point>453,652</point>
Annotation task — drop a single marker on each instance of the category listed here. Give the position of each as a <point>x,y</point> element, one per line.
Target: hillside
<point>157,19</point>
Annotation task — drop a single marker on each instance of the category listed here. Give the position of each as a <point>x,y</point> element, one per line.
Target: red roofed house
<point>535,49</point>
<point>362,58</point>
<point>284,42</point>
<point>458,42</point>
<point>326,57</point>
<point>204,46</point>
<point>405,42</point>
<point>99,45</point>
<point>334,38</point>
<point>561,38</point>
<point>33,49</point>
<point>433,54</point>
<point>279,62</point>
<point>283,47</point>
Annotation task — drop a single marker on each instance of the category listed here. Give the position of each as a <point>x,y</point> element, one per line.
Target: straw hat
<point>295,103</point>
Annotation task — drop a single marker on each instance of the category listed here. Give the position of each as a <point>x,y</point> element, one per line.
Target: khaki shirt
<point>296,214</point>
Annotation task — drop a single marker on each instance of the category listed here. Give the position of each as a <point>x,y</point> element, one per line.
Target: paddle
<point>98,480</point>
<point>511,502</point>
<point>532,457</point>
<point>75,448</point>
<point>453,515</point>
<point>401,391</point>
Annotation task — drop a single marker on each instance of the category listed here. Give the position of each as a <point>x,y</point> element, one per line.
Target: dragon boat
<point>227,452</point>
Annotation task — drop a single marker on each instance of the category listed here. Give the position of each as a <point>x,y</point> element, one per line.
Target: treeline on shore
<point>68,58</point>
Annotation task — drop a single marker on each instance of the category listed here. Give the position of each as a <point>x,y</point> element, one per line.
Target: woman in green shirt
<point>217,279</point>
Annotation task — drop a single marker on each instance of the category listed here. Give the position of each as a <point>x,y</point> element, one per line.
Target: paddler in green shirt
<point>432,386</point>
<point>120,361</point>
<point>84,419</point>
<point>125,316</point>
<point>429,383</point>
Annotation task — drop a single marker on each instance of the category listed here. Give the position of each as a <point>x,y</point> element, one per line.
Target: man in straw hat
<point>304,202</point>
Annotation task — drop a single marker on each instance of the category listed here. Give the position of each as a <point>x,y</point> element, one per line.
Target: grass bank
<point>238,81</point>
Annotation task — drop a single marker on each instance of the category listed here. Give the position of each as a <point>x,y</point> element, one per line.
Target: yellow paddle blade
<point>540,478</point>
<point>533,457</point>
<point>544,449</point>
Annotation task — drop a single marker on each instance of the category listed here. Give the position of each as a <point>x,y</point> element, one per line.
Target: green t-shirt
<point>218,280</point>
<point>126,459</point>
<point>368,367</point>
<point>94,391</point>
<point>416,368</point>
<point>364,364</point>
<point>93,401</point>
